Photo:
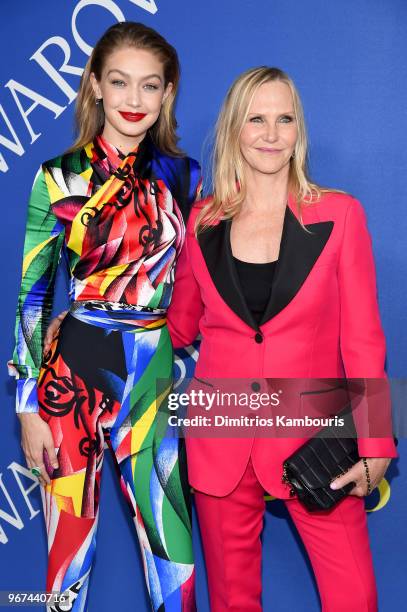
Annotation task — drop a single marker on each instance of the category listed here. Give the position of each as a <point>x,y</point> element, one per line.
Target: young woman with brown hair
<point>114,205</point>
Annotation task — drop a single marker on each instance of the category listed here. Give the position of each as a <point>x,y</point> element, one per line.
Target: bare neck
<point>124,143</point>
<point>265,192</point>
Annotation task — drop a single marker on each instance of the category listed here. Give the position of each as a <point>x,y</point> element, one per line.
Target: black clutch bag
<point>310,470</point>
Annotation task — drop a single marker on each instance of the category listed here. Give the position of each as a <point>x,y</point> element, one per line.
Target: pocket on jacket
<point>324,401</point>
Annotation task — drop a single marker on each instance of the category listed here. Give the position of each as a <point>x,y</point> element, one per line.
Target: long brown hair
<point>90,117</point>
<point>229,187</point>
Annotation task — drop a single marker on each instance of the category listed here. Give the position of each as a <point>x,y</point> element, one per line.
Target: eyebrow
<point>291,112</point>
<point>126,74</point>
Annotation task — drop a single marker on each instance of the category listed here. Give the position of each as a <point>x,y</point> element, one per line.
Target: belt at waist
<point>122,317</point>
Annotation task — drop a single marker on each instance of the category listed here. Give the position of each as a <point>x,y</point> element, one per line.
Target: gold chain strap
<point>369,485</point>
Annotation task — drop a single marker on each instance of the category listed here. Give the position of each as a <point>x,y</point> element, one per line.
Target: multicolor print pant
<point>99,384</point>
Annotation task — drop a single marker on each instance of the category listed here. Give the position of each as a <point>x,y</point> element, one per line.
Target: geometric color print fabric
<point>99,384</point>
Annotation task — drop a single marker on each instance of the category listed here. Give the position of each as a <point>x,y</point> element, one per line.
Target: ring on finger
<point>36,471</point>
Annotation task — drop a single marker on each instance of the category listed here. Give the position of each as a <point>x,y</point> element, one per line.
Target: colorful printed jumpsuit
<point>118,221</point>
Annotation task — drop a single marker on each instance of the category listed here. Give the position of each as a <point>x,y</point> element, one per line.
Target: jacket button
<point>256,386</point>
<point>258,338</point>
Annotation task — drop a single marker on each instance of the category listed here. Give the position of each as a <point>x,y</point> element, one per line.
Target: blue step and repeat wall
<point>348,58</point>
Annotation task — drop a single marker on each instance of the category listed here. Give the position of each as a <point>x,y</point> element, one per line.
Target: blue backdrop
<point>348,59</point>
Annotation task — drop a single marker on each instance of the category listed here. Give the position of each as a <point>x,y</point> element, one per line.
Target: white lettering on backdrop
<point>52,72</point>
<point>14,519</point>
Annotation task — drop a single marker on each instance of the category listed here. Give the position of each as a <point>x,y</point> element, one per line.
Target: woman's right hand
<point>36,437</point>
<point>52,330</point>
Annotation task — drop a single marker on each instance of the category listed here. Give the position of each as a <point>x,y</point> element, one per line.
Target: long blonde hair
<point>229,187</point>
<point>90,117</point>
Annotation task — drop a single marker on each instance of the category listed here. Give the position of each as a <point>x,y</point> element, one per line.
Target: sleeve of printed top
<point>183,178</point>
<point>362,339</point>
<point>42,249</point>
<point>188,185</point>
<point>186,308</point>
<point>195,188</point>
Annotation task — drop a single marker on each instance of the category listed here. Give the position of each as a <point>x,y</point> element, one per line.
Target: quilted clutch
<point>310,469</point>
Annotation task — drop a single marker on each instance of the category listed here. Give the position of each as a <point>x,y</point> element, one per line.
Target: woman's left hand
<point>357,474</point>
<point>52,331</point>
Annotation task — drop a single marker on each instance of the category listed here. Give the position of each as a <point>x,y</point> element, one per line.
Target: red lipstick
<point>132,116</point>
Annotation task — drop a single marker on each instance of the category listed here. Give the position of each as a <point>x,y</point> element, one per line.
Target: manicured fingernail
<point>55,465</point>
<point>333,485</point>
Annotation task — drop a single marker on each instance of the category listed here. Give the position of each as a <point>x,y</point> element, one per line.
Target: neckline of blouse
<point>261,264</point>
<point>113,154</point>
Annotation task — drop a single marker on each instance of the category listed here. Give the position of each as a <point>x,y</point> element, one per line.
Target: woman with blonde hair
<point>114,205</point>
<point>277,275</point>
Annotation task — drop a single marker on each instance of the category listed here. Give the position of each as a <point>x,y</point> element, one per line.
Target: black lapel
<point>217,252</point>
<point>299,250</point>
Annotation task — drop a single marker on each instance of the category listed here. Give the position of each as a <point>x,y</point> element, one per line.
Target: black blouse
<point>256,280</point>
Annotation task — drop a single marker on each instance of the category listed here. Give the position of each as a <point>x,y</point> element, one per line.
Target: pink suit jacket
<point>322,321</point>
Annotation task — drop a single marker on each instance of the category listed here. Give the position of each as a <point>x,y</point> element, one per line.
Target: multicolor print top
<point>119,222</point>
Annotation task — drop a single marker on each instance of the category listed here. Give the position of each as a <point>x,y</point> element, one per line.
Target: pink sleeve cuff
<point>377,447</point>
